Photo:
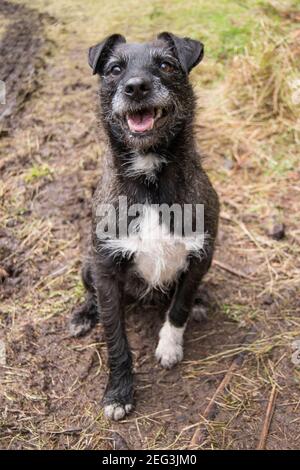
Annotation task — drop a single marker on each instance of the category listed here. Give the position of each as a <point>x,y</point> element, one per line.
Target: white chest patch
<point>158,255</point>
<point>148,165</point>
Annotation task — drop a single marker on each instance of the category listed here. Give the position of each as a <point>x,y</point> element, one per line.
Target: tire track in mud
<point>20,58</point>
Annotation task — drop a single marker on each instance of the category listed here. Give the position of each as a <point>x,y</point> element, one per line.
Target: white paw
<point>168,355</point>
<point>169,350</point>
<point>117,411</point>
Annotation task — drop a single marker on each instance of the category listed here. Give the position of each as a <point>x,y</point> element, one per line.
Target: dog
<point>146,108</point>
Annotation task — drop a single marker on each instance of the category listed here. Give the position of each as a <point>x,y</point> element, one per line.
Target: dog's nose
<point>137,87</point>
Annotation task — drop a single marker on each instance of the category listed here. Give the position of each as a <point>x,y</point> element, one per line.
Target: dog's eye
<point>115,70</point>
<point>166,67</point>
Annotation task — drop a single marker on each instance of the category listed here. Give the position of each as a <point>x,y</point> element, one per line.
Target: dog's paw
<point>169,350</point>
<point>117,411</point>
<point>199,313</point>
<point>168,355</point>
<point>82,320</point>
<point>79,328</point>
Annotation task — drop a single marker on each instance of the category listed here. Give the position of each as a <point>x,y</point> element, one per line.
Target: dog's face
<point>145,93</point>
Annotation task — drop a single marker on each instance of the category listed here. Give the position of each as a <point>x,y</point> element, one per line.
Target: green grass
<point>237,122</point>
<point>280,165</point>
<point>219,29</point>
<point>240,314</point>
<point>225,29</point>
<point>38,172</point>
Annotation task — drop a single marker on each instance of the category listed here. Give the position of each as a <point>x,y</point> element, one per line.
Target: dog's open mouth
<point>144,120</point>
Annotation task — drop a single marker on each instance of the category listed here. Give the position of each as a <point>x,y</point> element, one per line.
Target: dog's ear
<point>99,53</point>
<point>189,51</point>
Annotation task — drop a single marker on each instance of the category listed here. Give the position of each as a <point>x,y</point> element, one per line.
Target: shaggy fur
<point>152,167</point>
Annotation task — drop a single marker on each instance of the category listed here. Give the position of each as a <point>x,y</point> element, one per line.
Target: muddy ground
<point>51,385</point>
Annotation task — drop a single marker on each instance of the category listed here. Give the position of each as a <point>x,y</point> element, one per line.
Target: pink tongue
<point>140,122</point>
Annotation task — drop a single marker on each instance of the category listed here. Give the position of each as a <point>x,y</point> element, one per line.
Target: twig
<point>268,419</point>
<point>211,410</point>
<point>90,363</point>
<point>64,431</point>
<point>230,269</point>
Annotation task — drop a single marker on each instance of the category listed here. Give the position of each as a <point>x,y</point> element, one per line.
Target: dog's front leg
<point>118,397</point>
<point>170,346</point>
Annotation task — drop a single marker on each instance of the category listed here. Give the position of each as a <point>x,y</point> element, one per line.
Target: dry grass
<point>248,128</point>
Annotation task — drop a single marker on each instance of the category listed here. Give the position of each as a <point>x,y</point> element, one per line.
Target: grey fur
<point>112,280</point>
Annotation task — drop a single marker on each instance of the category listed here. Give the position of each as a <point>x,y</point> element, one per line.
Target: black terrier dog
<point>144,245</point>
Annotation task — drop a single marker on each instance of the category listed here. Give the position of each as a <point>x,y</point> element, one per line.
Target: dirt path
<point>20,44</point>
<point>51,385</point>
